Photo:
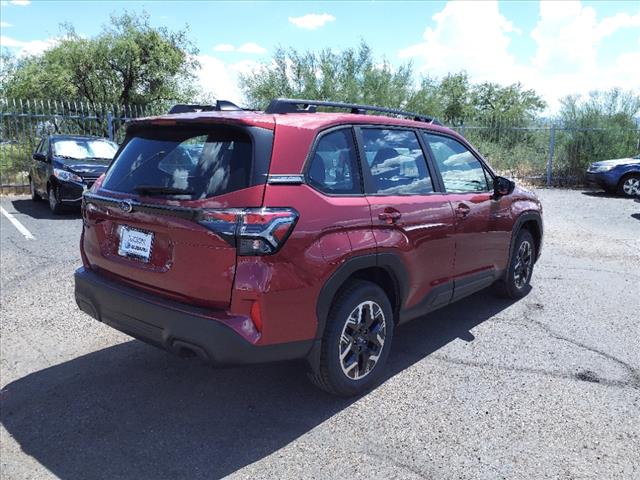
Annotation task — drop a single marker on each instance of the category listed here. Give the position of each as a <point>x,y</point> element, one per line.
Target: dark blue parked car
<point>66,165</point>
<point>621,175</point>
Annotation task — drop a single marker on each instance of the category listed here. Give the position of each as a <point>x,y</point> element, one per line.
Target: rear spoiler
<point>220,106</point>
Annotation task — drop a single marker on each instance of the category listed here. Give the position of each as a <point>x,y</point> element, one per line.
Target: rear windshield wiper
<point>160,190</point>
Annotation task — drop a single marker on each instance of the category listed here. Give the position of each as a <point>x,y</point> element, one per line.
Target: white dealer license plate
<point>135,243</point>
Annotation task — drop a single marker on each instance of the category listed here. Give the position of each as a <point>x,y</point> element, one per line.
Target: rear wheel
<point>54,203</point>
<point>629,186</point>
<point>35,196</point>
<point>357,340</point>
<point>515,283</point>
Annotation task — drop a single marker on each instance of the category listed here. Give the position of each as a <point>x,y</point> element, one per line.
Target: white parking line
<point>21,228</point>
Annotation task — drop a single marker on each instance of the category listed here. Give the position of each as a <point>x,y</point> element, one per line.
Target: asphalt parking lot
<point>546,387</point>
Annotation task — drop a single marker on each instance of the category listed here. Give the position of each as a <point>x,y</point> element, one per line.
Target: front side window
<point>461,171</point>
<point>334,166</point>
<point>44,146</point>
<point>395,162</point>
<point>193,162</point>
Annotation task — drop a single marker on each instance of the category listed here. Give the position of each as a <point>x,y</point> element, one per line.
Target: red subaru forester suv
<point>239,236</point>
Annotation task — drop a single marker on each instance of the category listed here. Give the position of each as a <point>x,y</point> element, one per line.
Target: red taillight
<point>256,316</point>
<point>253,231</point>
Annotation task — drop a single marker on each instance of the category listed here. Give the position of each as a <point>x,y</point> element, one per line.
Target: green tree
<point>128,63</point>
<point>352,75</point>
<point>601,126</point>
<point>455,97</point>
<point>509,104</point>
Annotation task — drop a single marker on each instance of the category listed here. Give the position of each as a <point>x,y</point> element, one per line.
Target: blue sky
<point>555,47</point>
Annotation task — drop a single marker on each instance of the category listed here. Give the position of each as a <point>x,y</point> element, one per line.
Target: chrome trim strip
<point>285,179</point>
<point>169,210</point>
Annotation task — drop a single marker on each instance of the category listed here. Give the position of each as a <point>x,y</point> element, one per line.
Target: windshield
<point>82,149</point>
<point>195,162</point>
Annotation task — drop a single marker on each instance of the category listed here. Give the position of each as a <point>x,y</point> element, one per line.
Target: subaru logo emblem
<point>125,206</point>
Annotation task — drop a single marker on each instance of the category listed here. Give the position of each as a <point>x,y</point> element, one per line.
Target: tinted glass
<point>461,171</point>
<point>82,149</point>
<point>200,162</point>
<point>395,162</point>
<point>334,166</point>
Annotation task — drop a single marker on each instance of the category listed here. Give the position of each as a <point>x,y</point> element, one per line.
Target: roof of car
<point>305,120</point>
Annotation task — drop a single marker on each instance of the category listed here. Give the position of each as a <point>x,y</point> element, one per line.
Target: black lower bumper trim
<point>172,326</point>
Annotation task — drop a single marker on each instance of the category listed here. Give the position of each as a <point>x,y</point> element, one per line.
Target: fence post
<point>552,143</point>
<point>110,125</point>
<point>462,130</point>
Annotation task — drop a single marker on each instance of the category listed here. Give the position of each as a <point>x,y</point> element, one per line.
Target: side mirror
<point>503,186</point>
<point>41,157</point>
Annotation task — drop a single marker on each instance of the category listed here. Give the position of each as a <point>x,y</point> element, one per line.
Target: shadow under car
<point>133,411</point>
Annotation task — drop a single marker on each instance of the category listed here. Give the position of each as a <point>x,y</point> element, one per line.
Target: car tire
<point>356,341</point>
<point>629,185</point>
<point>35,196</point>
<point>516,281</point>
<point>54,204</point>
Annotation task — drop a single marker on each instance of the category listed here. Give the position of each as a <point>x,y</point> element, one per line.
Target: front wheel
<point>516,280</point>
<point>356,342</point>
<point>629,185</point>
<point>35,196</point>
<point>54,204</point>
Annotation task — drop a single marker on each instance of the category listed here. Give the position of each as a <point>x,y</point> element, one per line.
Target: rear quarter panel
<point>329,231</point>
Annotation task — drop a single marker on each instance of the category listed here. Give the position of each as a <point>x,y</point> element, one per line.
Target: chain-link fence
<point>24,122</point>
<point>550,154</point>
<point>539,153</point>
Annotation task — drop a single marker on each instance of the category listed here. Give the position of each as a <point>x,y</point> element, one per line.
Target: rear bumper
<point>174,326</point>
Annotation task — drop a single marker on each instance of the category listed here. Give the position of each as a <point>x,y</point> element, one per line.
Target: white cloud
<point>568,39</point>
<point>33,47</point>
<point>471,36</point>
<point>224,47</point>
<point>248,47</point>
<point>251,48</point>
<point>475,36</point>
<point>9,42</point>
<point>312,21</point>
<point>220,80</point>
<point>5,25</point>
<point>20,3</point>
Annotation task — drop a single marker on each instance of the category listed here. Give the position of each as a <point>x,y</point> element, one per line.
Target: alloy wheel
<point>631,186</point>
<point>362,340</point>
<point>524,262</point>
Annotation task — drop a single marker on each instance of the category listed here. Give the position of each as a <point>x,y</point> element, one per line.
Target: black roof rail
<point>298,105</point>
<point>220,106</point>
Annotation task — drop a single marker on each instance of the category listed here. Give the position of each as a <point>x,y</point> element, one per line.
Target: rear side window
<point>188,162</point>
<point>461,171</point>
<point>334,166</point>
<point>396,163</point>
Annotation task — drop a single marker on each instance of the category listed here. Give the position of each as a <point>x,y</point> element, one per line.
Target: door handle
<point>390,215</point>
<point>462,210</point>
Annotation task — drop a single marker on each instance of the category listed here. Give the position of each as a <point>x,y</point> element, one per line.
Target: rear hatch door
<point>143,222</point>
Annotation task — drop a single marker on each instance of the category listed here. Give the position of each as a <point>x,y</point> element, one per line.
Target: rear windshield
<point>184,162</point>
